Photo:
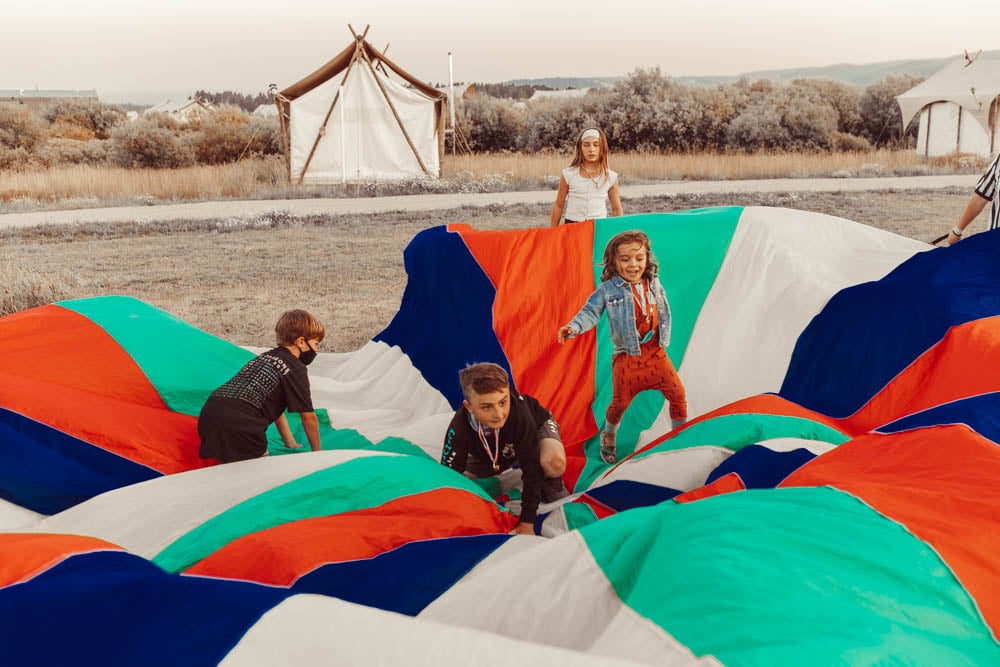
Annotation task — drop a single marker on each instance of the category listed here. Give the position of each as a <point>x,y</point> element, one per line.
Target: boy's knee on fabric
<point>552,455</point>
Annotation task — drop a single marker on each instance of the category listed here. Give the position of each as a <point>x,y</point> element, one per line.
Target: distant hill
<point>861,75</point>
<point>563,82</point>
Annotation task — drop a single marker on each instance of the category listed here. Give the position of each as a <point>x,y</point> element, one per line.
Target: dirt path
<point>438,202</point>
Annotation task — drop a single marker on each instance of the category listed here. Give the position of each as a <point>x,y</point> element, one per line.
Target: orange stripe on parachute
<point>953,369</point>
<point>126,417</point>
<point>280,555</point>
<point>941,483</point>
<point>728,483</point>
<point>526,270</point>
<point>25,555</point>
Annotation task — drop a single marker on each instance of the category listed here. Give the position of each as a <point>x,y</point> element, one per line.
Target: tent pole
<point>451,102</point>
<point>927,135</point>
<point>343,140</point>
<point>395,114</point>
<point>958,133</point>
<point>284,118</point>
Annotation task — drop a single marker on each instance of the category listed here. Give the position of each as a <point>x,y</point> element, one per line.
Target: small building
<point>42,98</point>
<point>567,94</point>
<point>266,111</point>
<point>183,111</point>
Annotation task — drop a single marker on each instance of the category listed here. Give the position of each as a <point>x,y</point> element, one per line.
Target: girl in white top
<point>587,185</point>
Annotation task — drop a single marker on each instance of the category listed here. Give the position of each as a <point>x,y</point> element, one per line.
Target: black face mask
<point>307,356</point>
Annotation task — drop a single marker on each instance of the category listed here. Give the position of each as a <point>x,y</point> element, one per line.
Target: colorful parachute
<point>832,501</point>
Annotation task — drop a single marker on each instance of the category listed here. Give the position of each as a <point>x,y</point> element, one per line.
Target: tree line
<point>648,111</point>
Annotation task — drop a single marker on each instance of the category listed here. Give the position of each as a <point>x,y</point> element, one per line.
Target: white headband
<point>590,133</point>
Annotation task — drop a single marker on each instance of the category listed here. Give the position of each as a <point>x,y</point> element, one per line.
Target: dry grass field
<point>234,281</point>
<point>82,186</point>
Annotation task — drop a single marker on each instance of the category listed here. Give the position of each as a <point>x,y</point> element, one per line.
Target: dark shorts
<point>228,433</point>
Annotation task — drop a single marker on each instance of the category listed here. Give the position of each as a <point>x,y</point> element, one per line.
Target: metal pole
<point>343,138</point>
<point>451,103</point>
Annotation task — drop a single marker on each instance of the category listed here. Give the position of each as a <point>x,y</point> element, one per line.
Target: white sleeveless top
<point>587,199</point>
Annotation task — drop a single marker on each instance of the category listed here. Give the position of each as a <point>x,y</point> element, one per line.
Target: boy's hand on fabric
<point>293,445</point>
<point>564,334</point>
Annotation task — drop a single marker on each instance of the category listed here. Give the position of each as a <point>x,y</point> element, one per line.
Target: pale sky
<point>227,45</point>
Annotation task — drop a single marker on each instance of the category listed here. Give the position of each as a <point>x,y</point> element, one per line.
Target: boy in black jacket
<point>495,429</point>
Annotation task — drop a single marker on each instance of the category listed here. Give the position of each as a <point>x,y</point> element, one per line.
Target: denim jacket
<point>615,295</point>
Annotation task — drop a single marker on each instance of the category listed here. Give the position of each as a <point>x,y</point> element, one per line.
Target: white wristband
<point>956,231</point>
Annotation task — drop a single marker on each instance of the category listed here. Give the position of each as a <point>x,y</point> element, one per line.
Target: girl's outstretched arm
<point>584,320</point>
<point>616,202</point>
<point>557,208</point>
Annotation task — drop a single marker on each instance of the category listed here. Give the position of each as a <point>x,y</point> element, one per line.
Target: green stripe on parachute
<point>741,430</point>
<point>797,572</point>
<point>155,340</point>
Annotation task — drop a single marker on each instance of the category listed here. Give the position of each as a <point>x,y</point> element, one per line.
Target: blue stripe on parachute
<point>48,471</point>
<point>868,333</point>
<point>760,467</point>
<point>624,494</point>
<point>981,413</point>
<point>115,608</point>
<point>445,321</point>
<point>404,580</point>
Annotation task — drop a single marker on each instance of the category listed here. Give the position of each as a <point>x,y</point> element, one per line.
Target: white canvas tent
<point>957,107</point>
<point>350,121</point>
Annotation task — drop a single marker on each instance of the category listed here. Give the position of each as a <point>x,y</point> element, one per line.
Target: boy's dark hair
<point>484,378</point>
<point>295,323</point>
<point>611,251</point>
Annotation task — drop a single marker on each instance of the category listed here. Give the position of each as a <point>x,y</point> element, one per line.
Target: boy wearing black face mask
<point>234,420</point>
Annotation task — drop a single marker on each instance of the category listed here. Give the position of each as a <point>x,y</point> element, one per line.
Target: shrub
<point>230,133</point>
<point>222,136</point>
<point>147,143</point>
<point>881,121</point>
<point>554,125</point>
<point>843,98</point>
<point>20,128</point>
<point>785,118</point>
<point>849,142</point>
<point>757,127</point>
<point>267,136</point>
<point>490,125</point>
<point>91,118</point>
<point>18,159</point>
<point>68,151</point>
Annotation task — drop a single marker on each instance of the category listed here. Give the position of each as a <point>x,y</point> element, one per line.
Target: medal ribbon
<point>493,456</point>
<point>644,299</point>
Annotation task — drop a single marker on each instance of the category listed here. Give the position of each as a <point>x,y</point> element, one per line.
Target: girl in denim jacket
<point>639,322</point>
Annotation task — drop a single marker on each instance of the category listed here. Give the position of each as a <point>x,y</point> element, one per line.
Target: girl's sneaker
<point>608,454</point>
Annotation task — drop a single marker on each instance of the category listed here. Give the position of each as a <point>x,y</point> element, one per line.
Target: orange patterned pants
<point>651,370</point>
